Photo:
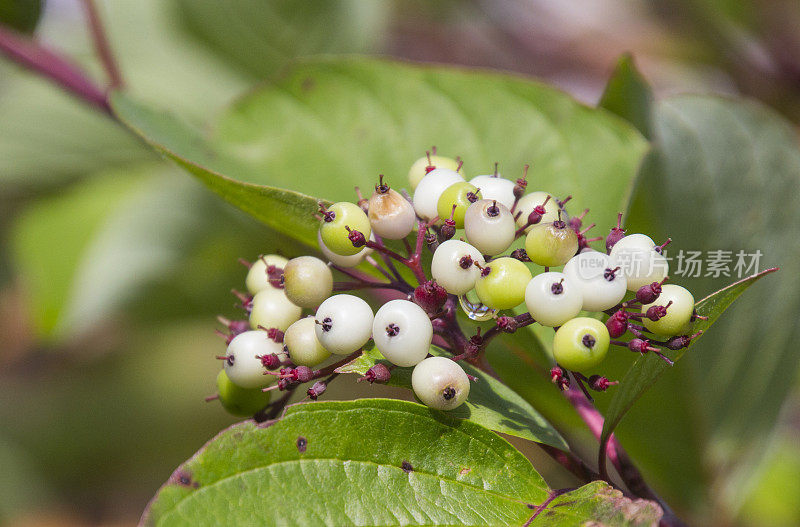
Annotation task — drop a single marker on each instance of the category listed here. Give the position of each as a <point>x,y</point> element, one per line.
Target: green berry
<point>679,312</point>
<point>307,281</point>
<point>301,342</point>
<point>461,195</point>
<point>551,244</point>
<point>420,167</point>
<point>237,400</point>
<point>338,221</point>
<point>501,283</point>
<point>581,343</point>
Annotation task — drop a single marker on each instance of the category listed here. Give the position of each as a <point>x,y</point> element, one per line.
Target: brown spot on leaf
<point>464,471</point>
<point>183,478</point>
<point>302,443</point>
<point>308,84</point>
<point>407,467</point>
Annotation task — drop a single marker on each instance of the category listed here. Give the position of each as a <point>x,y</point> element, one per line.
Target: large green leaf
<point>490,403</point>
<point>723,176</point>
<point>262,37</point>
<point>330,124</point>
<point>369,462</point>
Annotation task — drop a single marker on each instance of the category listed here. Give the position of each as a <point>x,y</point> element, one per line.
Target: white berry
<point>529,201</point>
<point>553,298</point>
<point>453,266</point>
<point>496,187</point>
<point>307,281</point>
<point>489,226</point>
<point>343,324</point>
<point>430,189</point>
<point>257,278</point>
<point>302,344</point>
<point>243,363</point>
<point>440,383</point>
<point>402,332</point>
<point>601,284</point>
<point>271,309</point>
<point>639,261</point>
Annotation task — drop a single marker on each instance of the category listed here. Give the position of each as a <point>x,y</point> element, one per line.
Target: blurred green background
<point>113,263</point>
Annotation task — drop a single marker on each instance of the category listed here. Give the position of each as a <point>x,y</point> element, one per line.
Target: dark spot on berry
<point>472,197</point>
<point>493,210</point>
<point>406,466</point>
<point>485,271</point>
<point>302,443</point>
<point>465,262</point>
<point>559,224</point>
<point>448,393</point>
<point>589,341</point>
<point>558,287</point>
<point>392,330</point>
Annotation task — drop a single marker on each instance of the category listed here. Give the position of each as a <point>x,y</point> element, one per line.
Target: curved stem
<point>58,69</point>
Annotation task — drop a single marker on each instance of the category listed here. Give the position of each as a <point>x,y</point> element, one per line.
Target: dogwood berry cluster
<point>494,248</point>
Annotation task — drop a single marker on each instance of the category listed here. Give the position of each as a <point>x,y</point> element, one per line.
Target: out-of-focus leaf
<point>375,462</point>
<point>628,95</point>
<point>262,37</point>
<point>22,15</point>
<point>777,489</point>
<point>490,403</point>
<point>83,253</point>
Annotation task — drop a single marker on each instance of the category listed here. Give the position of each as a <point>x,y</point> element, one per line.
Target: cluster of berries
<point>276,348</point>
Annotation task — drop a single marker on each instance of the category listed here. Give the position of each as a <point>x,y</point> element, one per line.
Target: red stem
<point>35,56</point>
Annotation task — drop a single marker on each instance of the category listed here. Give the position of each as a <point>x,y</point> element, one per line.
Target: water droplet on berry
<point>474,309</point>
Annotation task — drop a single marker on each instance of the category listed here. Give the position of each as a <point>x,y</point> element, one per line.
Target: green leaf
<point>331,124</point>
<point>262,37</point>
<point>22,15</point>
<point>490,403</point>
<point>646,370</point>
<point>372,462</point>
<point>628,95</point>
<point>349,470</point>
<point>722,176</point>
<point>603,504</point>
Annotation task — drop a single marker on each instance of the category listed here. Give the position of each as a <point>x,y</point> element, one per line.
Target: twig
<point>101,44</point>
